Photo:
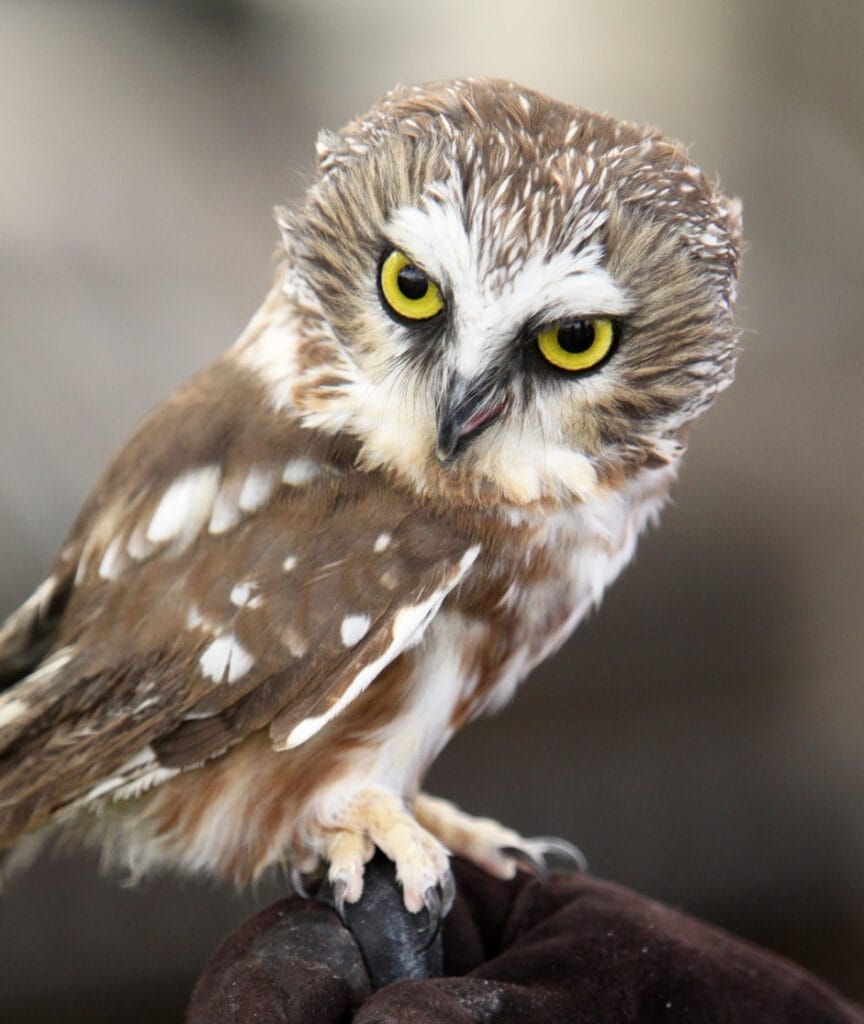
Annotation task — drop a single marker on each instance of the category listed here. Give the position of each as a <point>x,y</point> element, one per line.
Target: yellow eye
<point>407,291</point>
<point>578,344</point>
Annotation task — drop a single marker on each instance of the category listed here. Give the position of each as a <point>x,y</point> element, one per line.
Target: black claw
<point>340,887</point>
<point>298,882</point>
<point>432,901</point>
<point>448,892</point>
<point>536,864</point>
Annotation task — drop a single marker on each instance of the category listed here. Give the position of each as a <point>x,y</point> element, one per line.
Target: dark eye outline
<point>390,309</point>
<point>543,341</point>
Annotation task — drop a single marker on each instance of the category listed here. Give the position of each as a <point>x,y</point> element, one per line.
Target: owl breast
<point>527,595</point>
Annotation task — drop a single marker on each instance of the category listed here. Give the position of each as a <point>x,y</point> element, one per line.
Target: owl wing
<point>199,618</point>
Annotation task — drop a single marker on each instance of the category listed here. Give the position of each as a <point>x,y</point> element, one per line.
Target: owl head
<point>509,299</point>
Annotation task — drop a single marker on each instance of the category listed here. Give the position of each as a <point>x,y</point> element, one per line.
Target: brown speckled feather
<point>278,586</point>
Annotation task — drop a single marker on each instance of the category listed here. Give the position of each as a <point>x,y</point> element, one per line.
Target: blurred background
<point>701,738</point>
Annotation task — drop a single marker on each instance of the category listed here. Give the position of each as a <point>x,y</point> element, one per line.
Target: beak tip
<point>459,422</point>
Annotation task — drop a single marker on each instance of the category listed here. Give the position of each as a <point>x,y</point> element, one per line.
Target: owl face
<point>528,301</point>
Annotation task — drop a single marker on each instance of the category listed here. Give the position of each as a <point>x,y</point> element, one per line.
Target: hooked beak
<point>463,415</point>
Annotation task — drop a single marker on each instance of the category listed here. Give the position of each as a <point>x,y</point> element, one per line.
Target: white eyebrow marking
<point>185,505</point>
<point>354,628</point>
<point>570,282</point>
<point>225,660</point>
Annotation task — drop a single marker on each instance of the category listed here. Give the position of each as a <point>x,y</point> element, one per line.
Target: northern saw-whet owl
<point>494,319</point>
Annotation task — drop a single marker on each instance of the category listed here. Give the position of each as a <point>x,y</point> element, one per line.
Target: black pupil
<point>576,337</point>
<point>413,283</point>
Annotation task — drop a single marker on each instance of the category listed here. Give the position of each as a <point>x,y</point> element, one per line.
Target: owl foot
<point>373,819</point>
<point>493,847</point>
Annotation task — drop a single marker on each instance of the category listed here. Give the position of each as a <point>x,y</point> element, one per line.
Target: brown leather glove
<point>571,949</point>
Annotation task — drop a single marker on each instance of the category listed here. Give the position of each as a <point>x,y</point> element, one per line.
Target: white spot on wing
<point>300,471</point>
<point>382,542</point>
<point>294,640</point>
<point>193,617</point>
<point>241,594</point>
<point>409,624</point>
<point>225,660</point>
<point>410,621</point>
<point>10,710</point>
<point>185,506</point>
<point>199,716</point>
<point>226,511</point>
<point>53,665</point>
<point>467,560</point>
<point>148,702</point>
<point>289,563</point>
<point>354,628</point>
<point>138,547</point>
<point>113,560</point>
<point>259,484</point>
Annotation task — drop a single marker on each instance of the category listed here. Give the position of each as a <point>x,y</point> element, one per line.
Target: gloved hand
<point>569,949</point>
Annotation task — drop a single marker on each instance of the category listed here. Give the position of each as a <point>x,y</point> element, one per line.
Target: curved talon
<point>298,883</point>
<point>562,849</point>
<point>447,886</point>
<point>432,900</point>
<point>340,887</point>
<point>525,856</point>
<point>539,851</point>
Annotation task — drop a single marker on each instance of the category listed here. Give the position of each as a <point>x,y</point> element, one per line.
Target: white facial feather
<point>490,312</point>
<point>393,410</point>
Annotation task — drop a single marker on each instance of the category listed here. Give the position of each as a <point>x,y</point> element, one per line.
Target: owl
<point>494,318</point>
